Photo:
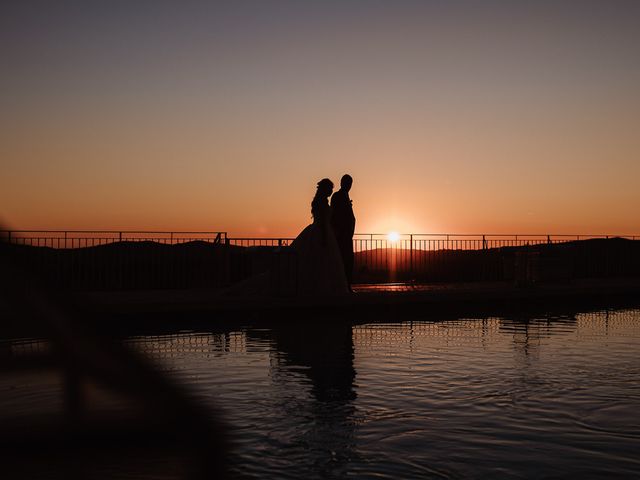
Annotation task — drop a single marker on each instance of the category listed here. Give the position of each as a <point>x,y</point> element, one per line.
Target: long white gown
<point>320,270</point>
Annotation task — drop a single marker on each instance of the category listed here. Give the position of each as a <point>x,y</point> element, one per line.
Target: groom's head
<point>345,182</point>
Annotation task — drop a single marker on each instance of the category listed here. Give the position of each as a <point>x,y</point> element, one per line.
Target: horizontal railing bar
<point>261,238</point>
<point>498,235</point>
<point>564,235</point>
<point>114,231</point>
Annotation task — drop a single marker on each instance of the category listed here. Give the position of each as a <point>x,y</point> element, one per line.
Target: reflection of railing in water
<point>585,324</point>
<point>462,331</point>
<point>202,343</point>
<point>128,259</point>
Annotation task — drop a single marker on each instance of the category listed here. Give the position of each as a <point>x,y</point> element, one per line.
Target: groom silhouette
<point>343,222</point>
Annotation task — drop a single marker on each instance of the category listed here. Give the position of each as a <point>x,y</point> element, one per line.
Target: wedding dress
<point>319,262</point>
<point>317,268</point>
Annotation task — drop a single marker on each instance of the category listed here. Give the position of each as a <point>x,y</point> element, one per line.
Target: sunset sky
<point>452,116</point>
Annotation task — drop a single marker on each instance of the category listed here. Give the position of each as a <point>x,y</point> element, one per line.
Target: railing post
<point>119,236</point>
<point>9,236</point>
<point>485,262</point>
<point>607,261</point>
<point>411,255</point>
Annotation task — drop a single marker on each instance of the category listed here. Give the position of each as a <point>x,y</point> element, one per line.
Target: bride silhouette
<point>320,270</point>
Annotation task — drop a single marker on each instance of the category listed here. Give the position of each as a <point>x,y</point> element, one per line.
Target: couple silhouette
<point>324,249</point>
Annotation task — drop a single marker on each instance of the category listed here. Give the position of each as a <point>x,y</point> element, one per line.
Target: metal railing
<point>362,241</point>
<point>184,259</point>
<point>122,259</point>
<point>259,242</point>
<point>457,257</point>
<point>93,238</point>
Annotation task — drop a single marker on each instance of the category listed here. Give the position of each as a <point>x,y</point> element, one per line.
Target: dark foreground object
<point>156,416</point>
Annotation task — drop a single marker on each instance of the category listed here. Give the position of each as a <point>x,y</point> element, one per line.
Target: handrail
<point>210,232</point>
<point>225,234</point>
<point>90,238</point>
<point>603,235</point>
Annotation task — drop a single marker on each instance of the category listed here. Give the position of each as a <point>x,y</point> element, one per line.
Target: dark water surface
<point>549,397</point>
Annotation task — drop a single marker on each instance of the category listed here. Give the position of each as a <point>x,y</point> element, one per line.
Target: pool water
<point>555,396</point>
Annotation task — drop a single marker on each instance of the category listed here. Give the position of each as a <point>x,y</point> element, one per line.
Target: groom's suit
<point>343,222</point>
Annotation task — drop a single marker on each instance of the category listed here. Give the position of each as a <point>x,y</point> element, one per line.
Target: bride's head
<point>324,190</point>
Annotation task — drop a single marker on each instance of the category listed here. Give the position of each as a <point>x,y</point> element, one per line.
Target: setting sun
<point>393,236</point>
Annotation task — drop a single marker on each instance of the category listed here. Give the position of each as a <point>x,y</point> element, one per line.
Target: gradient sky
<point>460,117</point>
